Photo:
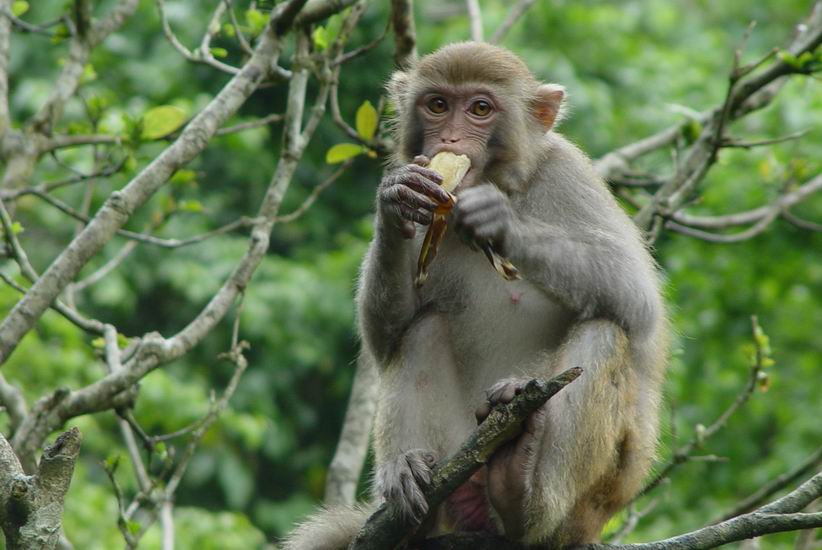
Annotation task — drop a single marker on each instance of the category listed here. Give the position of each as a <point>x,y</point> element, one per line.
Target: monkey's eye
<point>437,105</point>
<point>481,108</point>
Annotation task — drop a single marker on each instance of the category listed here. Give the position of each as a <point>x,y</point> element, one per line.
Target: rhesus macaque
<point>466,339</point>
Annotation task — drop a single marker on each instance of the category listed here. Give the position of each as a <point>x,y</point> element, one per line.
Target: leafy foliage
<point>631,69</point>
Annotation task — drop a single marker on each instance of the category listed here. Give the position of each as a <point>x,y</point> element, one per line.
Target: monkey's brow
<point>461,90</point>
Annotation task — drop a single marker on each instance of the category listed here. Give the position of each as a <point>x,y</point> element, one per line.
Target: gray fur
<point>589,297</point>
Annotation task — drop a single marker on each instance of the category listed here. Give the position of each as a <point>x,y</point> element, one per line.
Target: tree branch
<point>5,49</point>
<point>385,529</point>
<point>744,84</point>
<point>154,350</point>
<point>121,204</point>
<point>475,19</point>
<point>517,11</point>
<point>811,463</point>
<point>32,506</point>
<point>780,516</point>
<point>405,37</point>
<point>346,467</point>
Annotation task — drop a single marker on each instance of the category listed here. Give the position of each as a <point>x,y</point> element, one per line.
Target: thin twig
<point>237,30</point>
<point>264,121</point>
<point>682,454</point>
<point>517,11</point>
<point>808,465</point>
<point>730,142</point>
<point>309,201</point>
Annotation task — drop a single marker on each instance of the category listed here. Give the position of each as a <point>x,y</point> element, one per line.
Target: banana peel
<point>453,168</point>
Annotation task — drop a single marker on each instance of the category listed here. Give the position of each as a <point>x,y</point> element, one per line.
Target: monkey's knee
<point>597,340</point>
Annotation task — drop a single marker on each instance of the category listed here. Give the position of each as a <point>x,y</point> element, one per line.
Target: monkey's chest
<point>490,321</point>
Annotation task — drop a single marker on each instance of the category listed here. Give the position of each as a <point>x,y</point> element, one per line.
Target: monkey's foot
<point>401,482</point>
<point>502,392</point>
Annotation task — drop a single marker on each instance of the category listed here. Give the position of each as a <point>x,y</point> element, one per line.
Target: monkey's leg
<point>421,415</point>
<point>583,455</point>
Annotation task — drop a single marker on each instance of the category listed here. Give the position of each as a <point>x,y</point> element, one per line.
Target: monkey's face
<point>460,120</point>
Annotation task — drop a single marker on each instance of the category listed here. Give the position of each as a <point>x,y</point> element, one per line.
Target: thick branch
<point>155,350</point>
<point>405,37</point>
<point>31,507</point>
<point>385,529</point>
<point>346,466</point>
<point>5,46</point>
<point>121,204</point>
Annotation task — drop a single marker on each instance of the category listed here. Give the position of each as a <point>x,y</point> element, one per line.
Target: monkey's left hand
<point>483,213</point>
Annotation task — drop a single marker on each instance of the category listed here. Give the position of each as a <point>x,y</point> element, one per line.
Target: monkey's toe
<point>402,481</point>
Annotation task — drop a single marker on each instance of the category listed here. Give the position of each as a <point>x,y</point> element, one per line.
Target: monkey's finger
<point>419,468</point>
<point>409,196</point>
<point>426,185</point>
<point>428,182</point>
<point>421,160</point>
<point>422,217</point>
<point>482,412</point>
<point>413,503</point>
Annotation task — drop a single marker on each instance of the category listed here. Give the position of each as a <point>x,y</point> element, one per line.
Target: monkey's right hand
<point>409,195</point>
<point>401,482</point>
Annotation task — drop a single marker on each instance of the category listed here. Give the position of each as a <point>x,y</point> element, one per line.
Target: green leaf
<point>190,206</point>
<point>367,121</point>
<point>691,131</point>
<point>112,462</point>
<point>320,37</point>
<point>98,343</point>
<point>19,7</point>
<point>122,340</point>
<point>16,228</point>
<point>219,52</point>
<point>89,73</point>
<point>789,59</point>
<point>183,177</point>
<point>256,20</point>
<point>133,527</point>
<point>228,30</point>
<point>342,152</point>
<point>161,121</point>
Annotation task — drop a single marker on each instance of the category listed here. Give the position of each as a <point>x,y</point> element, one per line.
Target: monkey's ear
<point>397,89</point>
<point>549,103</point>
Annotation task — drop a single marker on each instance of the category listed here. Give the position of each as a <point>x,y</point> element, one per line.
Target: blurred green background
<point>631,68</point>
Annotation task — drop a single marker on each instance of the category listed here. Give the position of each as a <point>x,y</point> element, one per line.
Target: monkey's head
<point>479,100</point>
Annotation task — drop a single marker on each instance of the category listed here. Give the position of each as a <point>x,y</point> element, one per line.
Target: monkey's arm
<point>407,195</point>
<point>385,299</point>
<point>597,272</point>
<point>582,250</point>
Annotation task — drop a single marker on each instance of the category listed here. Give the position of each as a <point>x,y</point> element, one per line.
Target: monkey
<point>449,350</point>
